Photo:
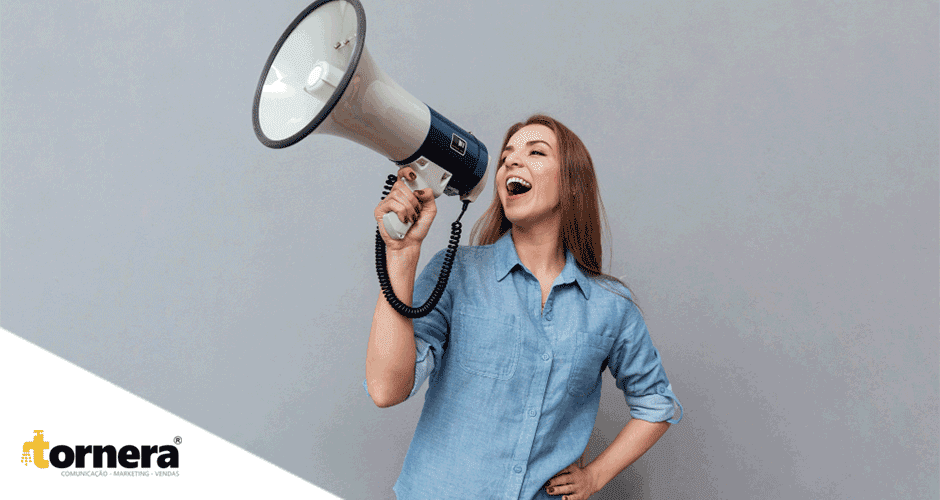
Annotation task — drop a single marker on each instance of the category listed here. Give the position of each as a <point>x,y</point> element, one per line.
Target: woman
<point>515,348</point>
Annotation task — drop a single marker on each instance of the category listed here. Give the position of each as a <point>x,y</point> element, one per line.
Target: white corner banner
<point>67,432</point>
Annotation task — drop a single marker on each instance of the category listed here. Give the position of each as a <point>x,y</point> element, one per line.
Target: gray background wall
<point>770,172</point>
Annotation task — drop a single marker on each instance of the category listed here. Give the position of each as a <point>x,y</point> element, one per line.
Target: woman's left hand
<point>573,482</point>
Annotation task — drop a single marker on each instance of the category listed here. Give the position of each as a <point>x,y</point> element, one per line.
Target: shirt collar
<point>507,259</point>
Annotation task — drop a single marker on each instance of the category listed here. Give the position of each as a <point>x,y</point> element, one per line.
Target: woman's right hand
<point>417,207</point>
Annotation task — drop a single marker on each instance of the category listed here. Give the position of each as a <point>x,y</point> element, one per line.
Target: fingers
<point>567,484</point>
<point>559,479</point>
<point>406,173</point>
<point>402,201</point>
<point>424,195</point>
<point>417,208</point>
<point>560,484</point>
<point>568,490</point>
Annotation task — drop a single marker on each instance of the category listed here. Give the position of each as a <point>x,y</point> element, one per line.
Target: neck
<point>539,249</point>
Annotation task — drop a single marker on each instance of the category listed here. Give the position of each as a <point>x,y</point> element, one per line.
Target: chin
<point>512,215</point>
<point>516,219</point>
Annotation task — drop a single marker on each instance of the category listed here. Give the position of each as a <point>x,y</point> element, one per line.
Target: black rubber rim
<point>344,82</point>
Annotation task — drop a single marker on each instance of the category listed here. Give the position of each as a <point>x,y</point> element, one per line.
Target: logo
<point>100,456</point>
<point>458,144</point>
<point>36,447</point>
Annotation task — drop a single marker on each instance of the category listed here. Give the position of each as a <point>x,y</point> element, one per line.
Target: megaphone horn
<point>320,78</point>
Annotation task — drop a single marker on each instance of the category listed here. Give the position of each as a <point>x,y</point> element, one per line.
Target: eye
<point>537,152</point>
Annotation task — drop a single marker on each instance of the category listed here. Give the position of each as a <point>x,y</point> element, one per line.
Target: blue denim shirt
<point>513,388</point>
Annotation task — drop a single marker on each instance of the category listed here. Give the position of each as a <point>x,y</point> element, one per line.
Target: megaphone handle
<point>393,225</point>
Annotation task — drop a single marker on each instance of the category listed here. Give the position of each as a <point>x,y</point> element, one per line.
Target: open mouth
<point>515,186</point>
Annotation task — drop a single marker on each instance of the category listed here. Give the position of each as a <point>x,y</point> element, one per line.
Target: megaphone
<point>320,78</point>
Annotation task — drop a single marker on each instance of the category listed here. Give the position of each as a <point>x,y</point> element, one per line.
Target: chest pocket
<point>590,354</point>
<point>485,342</point>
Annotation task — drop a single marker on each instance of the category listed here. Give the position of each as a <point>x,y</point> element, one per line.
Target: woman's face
<point>527,179</point>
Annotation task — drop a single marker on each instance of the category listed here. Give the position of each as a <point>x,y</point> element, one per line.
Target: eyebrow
<point>510,148</point>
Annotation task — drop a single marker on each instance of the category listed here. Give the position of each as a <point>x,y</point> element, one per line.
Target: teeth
<point>517,179</point>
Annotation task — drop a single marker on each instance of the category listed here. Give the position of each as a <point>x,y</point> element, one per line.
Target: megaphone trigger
<point>428,175</point>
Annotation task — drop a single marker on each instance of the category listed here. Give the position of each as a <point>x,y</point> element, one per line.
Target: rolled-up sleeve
<point>637,367</point>
<point>424,365</point>
<point>431,330</point>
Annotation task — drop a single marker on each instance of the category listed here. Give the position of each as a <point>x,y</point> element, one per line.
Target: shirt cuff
<point>424,364</point>
<point>662,407</point>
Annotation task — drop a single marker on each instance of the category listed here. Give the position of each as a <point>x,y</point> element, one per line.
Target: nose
<point>512,159</point>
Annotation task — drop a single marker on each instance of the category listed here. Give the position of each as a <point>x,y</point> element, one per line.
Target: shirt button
<point>548,316</point>
<point>517,469</point>
<point>532,413</point>
<point>546,357</point>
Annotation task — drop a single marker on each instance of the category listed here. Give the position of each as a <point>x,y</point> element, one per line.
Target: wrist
<point>403,255</point>
<point>406,252</point>
<point>594,477</point>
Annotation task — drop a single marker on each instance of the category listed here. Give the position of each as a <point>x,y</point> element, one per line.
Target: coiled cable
<point>449,256</point>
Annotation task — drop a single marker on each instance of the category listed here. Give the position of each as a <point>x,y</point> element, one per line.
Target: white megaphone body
<point>320,79</point>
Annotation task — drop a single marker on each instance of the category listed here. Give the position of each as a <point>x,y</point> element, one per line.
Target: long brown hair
<point>583,219</point>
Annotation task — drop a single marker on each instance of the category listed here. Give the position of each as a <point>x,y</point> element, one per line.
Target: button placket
<point>549,306</point>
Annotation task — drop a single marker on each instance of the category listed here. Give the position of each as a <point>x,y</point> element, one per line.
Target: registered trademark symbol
<point>178,440</point>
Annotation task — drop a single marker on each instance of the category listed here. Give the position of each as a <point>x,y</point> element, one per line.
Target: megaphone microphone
<point>320,78</point>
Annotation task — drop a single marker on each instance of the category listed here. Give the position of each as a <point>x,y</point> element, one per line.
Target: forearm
<point>631,443</point>
<point>390,356</point>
